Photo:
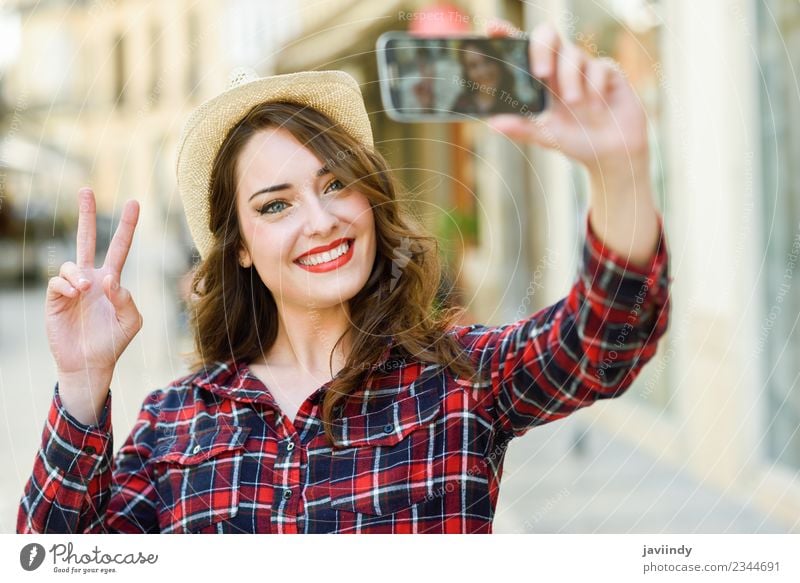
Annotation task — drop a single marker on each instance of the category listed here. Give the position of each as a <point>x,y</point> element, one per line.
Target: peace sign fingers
<point>123,237</point>
<point>90,318</point>
<point>87,228</point>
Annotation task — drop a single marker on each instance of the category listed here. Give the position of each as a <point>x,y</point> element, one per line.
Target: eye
<point>270,207</point>
<point>335,181</point>
<point>267,208</point>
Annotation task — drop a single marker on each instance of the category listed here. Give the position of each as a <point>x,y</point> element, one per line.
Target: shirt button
<point>287,494</point>
<point>290,446</point>
<point>388,428</point>
<point>196,448</point>
<point>90,450</point>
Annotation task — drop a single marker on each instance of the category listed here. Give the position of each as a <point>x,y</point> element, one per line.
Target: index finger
<point>545,46</point>
<point>87,228</point>
<point>123,237</point>
<point>499,27</point>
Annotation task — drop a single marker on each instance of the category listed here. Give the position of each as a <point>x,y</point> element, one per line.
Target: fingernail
<point>114,285</point>
<point>83,282</point>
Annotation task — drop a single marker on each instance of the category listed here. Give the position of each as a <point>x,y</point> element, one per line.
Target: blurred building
<point>111,83</point>
<point>97,92</point>
<point>721,399</point>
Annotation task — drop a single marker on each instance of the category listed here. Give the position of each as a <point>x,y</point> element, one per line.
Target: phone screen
<point>456,78</point>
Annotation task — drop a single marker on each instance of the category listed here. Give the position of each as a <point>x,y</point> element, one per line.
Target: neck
<point>306,339</point>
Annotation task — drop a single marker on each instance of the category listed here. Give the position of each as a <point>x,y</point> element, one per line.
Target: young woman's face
<point>480,69</point>
<point>288,205</point>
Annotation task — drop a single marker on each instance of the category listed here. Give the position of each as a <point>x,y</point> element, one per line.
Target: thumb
<point>505,123</point>
<point>523,129</point>
<point>124,306</point>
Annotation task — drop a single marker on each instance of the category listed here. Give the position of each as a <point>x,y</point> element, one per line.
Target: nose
<point>320,221</point>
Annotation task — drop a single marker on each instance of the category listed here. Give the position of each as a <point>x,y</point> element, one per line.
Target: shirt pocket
<point>387,459</point>
<point>198,477</point>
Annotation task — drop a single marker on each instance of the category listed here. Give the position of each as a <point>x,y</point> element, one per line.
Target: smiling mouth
<point>330,258</point>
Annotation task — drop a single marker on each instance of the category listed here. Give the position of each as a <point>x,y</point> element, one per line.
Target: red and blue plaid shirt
<point>418,450</point>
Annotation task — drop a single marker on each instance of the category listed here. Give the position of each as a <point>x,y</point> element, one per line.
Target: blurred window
<point>156,80</point>
<point>120,73</point>
<point>193,70</point>
<point>49,52</point>
<point>779,333</point>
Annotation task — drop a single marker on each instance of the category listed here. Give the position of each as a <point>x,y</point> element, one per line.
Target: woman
<point>489,82</point>
<point>329,395</point>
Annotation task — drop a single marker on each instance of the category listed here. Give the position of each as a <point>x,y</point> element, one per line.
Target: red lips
<point>328,247</point>
<point>333,264</point>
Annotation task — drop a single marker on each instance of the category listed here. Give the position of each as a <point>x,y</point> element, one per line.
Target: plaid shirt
<point>417,450</point>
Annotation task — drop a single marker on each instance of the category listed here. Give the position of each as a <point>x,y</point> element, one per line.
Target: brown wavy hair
<point>402,303</point>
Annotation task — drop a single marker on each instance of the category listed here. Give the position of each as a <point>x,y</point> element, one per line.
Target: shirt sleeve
<point>590,345</point>
<point>77,486</point>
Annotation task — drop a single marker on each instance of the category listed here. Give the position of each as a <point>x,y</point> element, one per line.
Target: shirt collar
<point>233,380</point>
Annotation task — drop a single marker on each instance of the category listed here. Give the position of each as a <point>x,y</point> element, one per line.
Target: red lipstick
<point>333,263</point>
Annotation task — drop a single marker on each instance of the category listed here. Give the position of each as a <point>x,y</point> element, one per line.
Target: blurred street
<point>607,485</point>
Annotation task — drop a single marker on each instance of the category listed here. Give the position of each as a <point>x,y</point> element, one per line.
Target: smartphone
<point>456,78</point>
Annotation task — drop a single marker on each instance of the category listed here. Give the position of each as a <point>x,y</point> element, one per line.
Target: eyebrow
<point>321,172</point>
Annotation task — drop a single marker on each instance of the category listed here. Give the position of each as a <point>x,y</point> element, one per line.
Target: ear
<point>244,258</point>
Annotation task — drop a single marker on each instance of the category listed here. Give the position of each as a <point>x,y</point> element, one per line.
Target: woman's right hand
<point>90,318</point>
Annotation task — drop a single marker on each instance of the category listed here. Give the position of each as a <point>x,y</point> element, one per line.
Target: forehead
<point>273,156</point>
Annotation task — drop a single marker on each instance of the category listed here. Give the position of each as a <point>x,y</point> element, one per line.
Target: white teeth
<point>326,256</point>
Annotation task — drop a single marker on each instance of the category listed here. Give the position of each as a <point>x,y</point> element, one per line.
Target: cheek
<point>360,211</point>
<point>268,244</point>
<point>247,226</point>
<point>367,229</point>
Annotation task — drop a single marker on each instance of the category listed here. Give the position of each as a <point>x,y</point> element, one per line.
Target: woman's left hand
<point>593,114</point>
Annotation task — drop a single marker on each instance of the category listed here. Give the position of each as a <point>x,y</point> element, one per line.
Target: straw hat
<point>334,93</point>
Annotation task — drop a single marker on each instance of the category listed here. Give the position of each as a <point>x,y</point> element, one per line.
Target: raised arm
<point>90,319</point>
<point>595,118</point>
<point>593,343</point>
<point>589,346</point>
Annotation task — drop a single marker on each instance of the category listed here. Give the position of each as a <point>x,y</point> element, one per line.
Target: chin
<point>334,296</point>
